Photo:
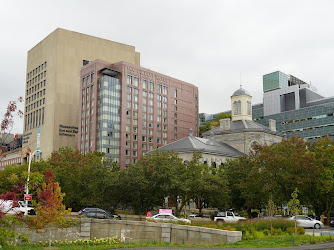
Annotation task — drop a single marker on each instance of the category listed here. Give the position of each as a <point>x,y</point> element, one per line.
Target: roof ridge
<point>191,141</point>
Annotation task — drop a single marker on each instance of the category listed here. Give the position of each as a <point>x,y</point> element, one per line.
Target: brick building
<point>126,110</point>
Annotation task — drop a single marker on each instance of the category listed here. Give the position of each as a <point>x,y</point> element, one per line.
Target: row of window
<point>237,108</point>
<point>308,128</point>
<point>34,119</point>
<point>35,105</point>
<point>134,80</point>
<point>36,79</point>
<point>88,79</point>
<point>37,70</point>
<point>36,88</point>
<point>308,118</point>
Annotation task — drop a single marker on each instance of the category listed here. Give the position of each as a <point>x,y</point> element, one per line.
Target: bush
<point>300,230</point>
<point>266,232</point>
<point>79,242</point>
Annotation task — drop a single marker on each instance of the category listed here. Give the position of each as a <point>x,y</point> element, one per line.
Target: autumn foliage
<point>50,210</point>
<point>7,122</point>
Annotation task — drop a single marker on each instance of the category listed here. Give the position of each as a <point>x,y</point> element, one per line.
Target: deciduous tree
<point>7,122</point>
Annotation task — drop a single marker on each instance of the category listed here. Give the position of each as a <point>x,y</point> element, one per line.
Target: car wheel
<point>317,226</point>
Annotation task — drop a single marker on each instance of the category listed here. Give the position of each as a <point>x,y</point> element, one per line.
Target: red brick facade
<point>169,109</point>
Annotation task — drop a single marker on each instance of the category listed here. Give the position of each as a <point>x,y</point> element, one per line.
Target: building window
<point>144,93</point>
<point>165,90</point>
<point>237,107</point>
<point>144,84</point>
<point>151,86</point>
<point>129,79</point>
<point>135,81</point>
<point>249,108</point>
<point>159,88</point>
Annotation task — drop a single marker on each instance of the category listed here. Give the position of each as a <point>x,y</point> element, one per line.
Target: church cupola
<point>241,102</point>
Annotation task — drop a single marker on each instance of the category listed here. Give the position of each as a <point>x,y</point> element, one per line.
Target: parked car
<point>98,213</point>
<point>193,216</point>
<point>8,207</point>
<point>226,216</point>
<point>151,213</point>
<point>331,223</point>
<point>167,218</point>
<point>307,222</point>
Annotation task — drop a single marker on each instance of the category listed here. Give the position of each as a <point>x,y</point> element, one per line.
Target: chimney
<point>272,125</point>
<point>225,124</point>
<point>190,132</point>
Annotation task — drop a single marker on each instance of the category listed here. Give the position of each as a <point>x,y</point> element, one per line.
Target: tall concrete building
<point>53,85</point>
<point>127,110</point>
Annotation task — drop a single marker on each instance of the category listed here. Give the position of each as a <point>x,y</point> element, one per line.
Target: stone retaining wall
<point>134,231</point>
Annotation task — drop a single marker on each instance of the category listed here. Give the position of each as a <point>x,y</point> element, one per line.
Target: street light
<point>27,190</point>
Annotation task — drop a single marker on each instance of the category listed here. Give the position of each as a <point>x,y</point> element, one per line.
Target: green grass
<point>275,241</point>
<point>256,225</point>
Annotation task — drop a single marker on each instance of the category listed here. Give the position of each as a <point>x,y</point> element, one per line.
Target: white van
<point>6,206</point>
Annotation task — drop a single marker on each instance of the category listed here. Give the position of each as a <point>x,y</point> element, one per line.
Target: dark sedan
<point>97,213</point>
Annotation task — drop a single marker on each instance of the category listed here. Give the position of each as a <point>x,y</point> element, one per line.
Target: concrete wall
<point>135,231</point>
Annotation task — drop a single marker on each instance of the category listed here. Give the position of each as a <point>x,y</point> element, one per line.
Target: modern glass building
<point>296,107</point>
<point>108,119</point>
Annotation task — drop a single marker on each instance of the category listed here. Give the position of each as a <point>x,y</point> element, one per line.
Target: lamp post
<point>27,189</point>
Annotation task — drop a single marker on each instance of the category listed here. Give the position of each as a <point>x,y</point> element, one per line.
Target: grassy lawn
<point>275,241</point>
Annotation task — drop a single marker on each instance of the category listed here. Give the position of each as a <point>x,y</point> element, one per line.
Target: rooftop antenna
<point>240,81</point>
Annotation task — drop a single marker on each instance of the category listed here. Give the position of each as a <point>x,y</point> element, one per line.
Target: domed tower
<point>241,104</point>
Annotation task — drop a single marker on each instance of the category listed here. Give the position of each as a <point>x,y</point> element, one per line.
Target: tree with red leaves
<point>7,235</point>
<point>7,123</point>
<point>50,210</point>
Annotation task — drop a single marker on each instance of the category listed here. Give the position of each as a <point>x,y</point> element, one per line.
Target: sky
<point>215,45</point>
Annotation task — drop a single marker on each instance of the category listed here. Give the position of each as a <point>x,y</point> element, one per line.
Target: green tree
<point>246,183</point>
<point>294,207</point>
<point>322,189</point>
<point>88,180</point>
<point>208,125</point>
<point>204,128</point>
<point>223,116</point>
<point>271,210</point>
<point>286,166</point>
